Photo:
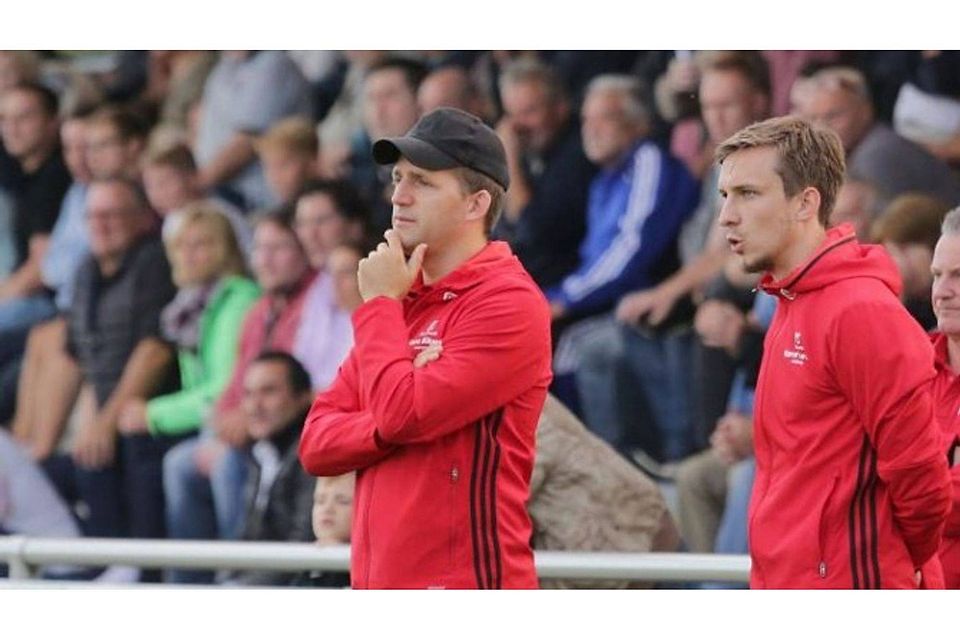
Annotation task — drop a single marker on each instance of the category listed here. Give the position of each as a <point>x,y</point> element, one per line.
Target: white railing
<point>25,556</point>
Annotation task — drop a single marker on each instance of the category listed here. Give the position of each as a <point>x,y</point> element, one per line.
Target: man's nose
<point>401,194</point>
<point>940,292</point>
<point>726,216</point>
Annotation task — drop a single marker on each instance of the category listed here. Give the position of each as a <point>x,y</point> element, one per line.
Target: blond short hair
<point>807,156</point>
<point>209,216</point>
<point>177,156</point>
<point>294,135</point>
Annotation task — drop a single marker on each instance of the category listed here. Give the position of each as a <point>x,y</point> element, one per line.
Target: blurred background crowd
<point>180,233</point>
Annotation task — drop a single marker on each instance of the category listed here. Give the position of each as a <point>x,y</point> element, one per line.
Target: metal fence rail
<point>26,555</point>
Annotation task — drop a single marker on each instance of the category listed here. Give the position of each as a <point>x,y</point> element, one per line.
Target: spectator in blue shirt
<point>637,202</point>
<point>637,205</point>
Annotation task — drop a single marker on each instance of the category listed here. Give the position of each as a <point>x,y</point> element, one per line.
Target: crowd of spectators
<point>180,233</point>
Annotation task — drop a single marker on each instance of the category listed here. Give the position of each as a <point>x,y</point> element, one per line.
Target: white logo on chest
<point>797,355</point>
<point>427,337</point>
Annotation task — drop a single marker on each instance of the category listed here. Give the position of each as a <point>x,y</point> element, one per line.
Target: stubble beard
<point>404,241</point>
<point>407,246</point>
<point>758,265</point>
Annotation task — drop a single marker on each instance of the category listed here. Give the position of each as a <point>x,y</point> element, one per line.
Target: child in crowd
<point>288,152</point>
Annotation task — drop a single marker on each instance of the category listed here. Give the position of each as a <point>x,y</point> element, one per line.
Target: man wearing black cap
<point>436,407</point>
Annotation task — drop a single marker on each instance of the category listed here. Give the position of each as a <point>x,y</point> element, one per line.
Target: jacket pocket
<point>822,528</point>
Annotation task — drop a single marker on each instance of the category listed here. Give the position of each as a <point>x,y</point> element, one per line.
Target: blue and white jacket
<point>634,215</point>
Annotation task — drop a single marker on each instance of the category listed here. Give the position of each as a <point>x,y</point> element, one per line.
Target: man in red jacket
<point>443,448</point>
<point>945,269</point>
<point>852,487</point>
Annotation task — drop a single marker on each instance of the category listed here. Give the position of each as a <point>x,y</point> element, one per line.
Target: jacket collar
<point>494,256</point>
<point>839,257</point>
<point>836,237</point>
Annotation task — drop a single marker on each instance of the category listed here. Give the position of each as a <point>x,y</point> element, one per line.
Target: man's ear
<point>479,205</point>
<point>808,204</point>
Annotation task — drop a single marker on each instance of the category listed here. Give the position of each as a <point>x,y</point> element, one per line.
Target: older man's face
<point>114,219</point>
<point>607,131</point>
<point>945,292</point>
<point>838,110</point>
<point>728,103</point>
<point>535,117</point>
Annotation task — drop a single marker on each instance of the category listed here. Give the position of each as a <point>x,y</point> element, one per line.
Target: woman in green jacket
<point>203,322</point>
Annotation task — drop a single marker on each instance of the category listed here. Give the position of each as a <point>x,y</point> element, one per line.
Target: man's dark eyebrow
<point>413,171</point>
<point>743,186</point>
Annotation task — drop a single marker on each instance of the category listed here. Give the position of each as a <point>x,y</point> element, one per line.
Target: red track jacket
<point>852,488</point>
<point>946,396</point>
<point>444,452</point>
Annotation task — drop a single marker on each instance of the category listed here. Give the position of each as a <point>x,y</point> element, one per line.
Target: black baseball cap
<point>447,138</point>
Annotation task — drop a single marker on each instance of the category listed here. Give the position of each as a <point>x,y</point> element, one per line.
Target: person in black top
<point>277,393</point>
<point>545,212</point>
<point>390,109</point>
<point>30,132</point>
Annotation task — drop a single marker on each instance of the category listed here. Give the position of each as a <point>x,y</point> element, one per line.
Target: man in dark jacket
<point>545,210</point>
<point>276,397</point>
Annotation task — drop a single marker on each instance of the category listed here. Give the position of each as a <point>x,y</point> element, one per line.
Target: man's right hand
<point>653,304</point>
<point>732,439</point>
<point>720,325</point>
<point>232,428</point>
<point>95,444</point>
<point>521,191</point>
<point>507,133</point>
<point>207,454</point>
<point>387,271</point>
